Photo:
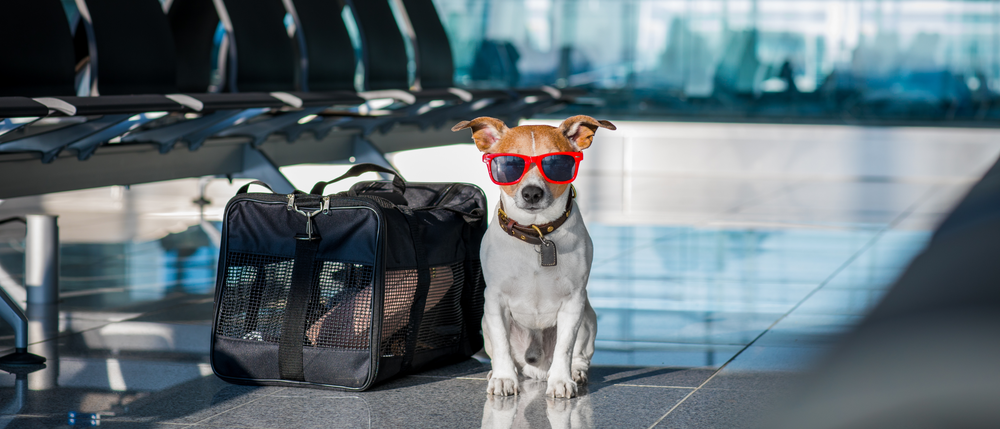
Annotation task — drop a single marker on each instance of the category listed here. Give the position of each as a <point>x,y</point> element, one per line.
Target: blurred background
<point>865,61</point>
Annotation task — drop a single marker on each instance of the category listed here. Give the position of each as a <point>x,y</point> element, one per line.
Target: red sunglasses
<point>509,168</point>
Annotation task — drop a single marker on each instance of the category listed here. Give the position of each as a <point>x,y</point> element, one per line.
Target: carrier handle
<point>397,181</point>
<point>243,189</point>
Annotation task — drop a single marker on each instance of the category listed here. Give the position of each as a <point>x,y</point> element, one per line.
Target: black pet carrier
<point>350,289</point>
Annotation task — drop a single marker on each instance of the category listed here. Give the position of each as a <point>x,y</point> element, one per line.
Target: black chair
<point>435,65</point>
<point>330,62</point>
<point>41,65</point>
<point>137,38</point>
<point>435,69</point>
<point>48,72</point>
<point>330,59</point>
<point>385,60</point>
<point>383,53</point>
<point>274,63</point>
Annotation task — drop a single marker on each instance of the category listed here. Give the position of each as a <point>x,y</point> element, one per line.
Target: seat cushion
<point>117,104</point>
<point>239,100</point>
<point>16,107</point>
<point>480,94</point>
<point>328,98</point>
<point>435,94</point>
<point>533,92</point>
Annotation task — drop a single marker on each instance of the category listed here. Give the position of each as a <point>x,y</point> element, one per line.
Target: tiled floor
<point>728,259</point>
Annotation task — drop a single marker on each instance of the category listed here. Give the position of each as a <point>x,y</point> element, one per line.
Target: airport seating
<point>384,56</point>
<point>41,65</point>
<point>271,64</point>
<point>435,68</point>
<point>385,63</point>
<point>132,77</point>
<point>128,72</point>
<point>330,57</point>
<point>265,65</point>
<point>261,26</point>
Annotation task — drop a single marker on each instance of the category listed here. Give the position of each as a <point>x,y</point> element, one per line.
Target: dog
<point>536,256</point>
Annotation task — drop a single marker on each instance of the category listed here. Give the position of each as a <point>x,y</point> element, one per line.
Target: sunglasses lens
<point>506,169</point>
<point>559,168</point>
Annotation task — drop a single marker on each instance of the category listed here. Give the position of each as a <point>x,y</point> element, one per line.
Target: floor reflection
<point>694,296</point>
<point>43,325</point>
<point>531,408</point>
<point>16,402</point>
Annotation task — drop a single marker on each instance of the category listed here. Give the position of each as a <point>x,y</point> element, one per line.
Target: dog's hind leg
<point>583,350</point>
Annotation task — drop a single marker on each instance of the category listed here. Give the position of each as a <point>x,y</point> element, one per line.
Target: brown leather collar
<point>532,233</point>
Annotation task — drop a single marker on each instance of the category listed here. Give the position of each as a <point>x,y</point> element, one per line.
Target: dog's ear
<point>486,131</point>
<point>580,130</point>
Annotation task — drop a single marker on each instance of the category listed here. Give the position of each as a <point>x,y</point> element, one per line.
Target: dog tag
<point>548,253</point>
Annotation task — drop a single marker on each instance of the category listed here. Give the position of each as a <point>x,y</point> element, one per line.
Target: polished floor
<point>728,259</point>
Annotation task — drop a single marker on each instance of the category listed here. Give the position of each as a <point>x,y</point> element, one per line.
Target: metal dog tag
<point>548,253</point>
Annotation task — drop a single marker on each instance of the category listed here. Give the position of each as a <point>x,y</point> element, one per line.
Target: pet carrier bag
<point>350,289</point>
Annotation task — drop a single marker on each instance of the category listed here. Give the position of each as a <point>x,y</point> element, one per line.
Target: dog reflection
<point>531,408</point>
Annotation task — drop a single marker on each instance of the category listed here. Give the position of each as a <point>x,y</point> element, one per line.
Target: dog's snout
<point>532,194</point>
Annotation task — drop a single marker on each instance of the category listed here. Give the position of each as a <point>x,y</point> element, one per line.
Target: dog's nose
<point>532,194</point>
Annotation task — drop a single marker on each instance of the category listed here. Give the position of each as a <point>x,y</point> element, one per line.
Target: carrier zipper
<point>444,195</point>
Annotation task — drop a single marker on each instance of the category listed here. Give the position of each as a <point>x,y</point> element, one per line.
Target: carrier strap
<point>423,285</point>
<point>290,365</point>
<point>243,189</point>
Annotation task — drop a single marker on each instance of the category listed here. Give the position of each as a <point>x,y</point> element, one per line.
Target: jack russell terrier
<point>536,255</point>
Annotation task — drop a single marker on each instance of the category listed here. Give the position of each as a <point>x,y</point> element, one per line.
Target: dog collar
<point>534,234</point>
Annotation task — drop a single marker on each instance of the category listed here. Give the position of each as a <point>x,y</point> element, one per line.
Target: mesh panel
<point>255,293</point>
<point>253,300</point>
<point>339,312</point>
<point>441,325</point>
<point>400,285</point>
<point>442,322</point>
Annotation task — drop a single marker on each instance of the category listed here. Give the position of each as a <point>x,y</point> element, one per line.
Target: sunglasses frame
<point>537,161</point>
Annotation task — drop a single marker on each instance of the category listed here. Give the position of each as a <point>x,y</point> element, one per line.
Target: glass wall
<point>853,61</point>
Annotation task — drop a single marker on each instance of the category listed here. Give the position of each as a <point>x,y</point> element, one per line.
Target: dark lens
<point>559,168</point>
<point>507,169</point>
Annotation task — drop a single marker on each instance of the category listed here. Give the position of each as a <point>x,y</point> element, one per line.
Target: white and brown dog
<point>537,256</point>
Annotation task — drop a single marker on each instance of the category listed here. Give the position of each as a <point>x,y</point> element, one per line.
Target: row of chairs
<point>138,71</point>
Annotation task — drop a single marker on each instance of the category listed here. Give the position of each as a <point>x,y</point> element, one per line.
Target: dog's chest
<point>532,293</point>
<point>534,299</point>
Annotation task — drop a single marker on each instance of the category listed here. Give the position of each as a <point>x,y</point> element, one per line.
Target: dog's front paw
<point>561,388</point>
<point>580,375</point>
<point>502,386</point>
